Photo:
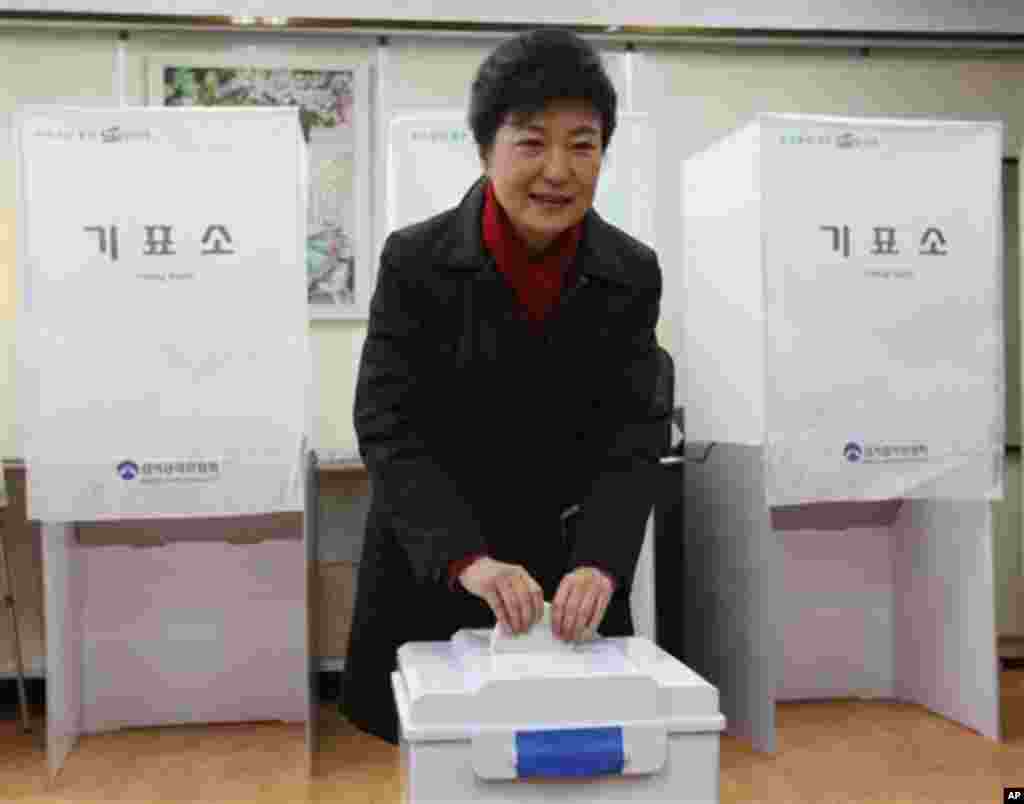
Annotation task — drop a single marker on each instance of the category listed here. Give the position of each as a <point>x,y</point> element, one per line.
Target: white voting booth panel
<point>163,395</point>
<point>843,353</point>
<point>844,305</point>
<point>159,301</point>
<point>491,717</point>
<point>432,162</point>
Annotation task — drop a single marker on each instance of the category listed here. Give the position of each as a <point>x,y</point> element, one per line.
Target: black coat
<point>479,433</point>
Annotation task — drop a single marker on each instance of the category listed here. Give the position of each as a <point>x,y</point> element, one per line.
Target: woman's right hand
<point>515,598</point>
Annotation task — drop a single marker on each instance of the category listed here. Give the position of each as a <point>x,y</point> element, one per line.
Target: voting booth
<point>432,162</point>
<point>163,372</point>
<point>490,716</point>
<point>844,357</point>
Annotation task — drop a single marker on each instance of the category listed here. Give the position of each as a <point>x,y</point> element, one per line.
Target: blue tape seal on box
<point>570,752</point>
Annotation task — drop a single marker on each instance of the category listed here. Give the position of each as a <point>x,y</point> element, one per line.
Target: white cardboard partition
<point>642,596</point>
<point>839,537</point>
<point>64,597</point>
<point>844,305</point>
<point>162,346</point>
<point>164,368</point>
<point>944,583</point>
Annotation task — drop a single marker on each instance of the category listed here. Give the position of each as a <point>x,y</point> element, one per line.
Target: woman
<point>505,398</point>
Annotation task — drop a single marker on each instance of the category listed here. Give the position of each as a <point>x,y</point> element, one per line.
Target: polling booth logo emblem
<point>170,471</point>
<point>855,452</point>
<point>128,470</point>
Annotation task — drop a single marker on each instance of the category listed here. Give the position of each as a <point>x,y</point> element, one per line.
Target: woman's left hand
<point>580,603</point>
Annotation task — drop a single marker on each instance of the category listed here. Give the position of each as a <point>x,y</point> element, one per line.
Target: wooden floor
<point>836,751</point>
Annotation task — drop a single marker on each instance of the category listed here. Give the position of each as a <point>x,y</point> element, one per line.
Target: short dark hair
<point>523,74</point>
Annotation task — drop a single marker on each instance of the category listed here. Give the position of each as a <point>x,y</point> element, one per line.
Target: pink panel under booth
<point>202,632</point>
<point>164,622</point>
<point>837,613</point>
<point>891,599</point>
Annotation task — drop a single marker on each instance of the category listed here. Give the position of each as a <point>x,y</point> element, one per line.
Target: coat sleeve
<point>625,433</point>
<point>413,490</point>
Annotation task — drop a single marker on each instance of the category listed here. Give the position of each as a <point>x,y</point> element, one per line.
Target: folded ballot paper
<point>540,638</point>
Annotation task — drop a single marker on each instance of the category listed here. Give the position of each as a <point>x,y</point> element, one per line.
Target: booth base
<point>897,604</point>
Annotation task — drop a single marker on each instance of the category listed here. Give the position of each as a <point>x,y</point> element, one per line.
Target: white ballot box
<point>615,719</point>
<point>844,357</point>
<point>844,305</point>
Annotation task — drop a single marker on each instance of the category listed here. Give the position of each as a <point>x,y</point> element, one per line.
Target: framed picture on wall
<point>334,111</point>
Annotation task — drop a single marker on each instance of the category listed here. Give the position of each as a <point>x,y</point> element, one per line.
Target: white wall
<point>997,16</point>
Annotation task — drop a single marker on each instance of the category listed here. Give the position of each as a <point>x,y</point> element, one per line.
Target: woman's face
<point>544,168</point>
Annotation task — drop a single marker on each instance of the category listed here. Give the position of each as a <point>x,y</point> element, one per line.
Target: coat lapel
<point>492,319</point>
